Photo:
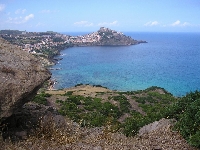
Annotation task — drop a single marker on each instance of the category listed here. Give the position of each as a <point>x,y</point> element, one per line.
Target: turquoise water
<point>168,60</point>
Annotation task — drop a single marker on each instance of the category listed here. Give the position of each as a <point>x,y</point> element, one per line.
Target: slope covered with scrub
<point>103,119</point>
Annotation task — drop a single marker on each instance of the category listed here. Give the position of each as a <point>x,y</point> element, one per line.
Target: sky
<point>90,15</point>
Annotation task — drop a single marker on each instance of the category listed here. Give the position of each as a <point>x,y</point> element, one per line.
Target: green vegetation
<point>131,127</point>
<point>78,84</point>
<point>68,93</point>
<point>99,86</point>
<point>90,111</point>
<point>87,110</point>
<point>185,110</point>
<point>124,104</point>
<point>155,103</point>
<point>41,98</point>
<point>187,113</point>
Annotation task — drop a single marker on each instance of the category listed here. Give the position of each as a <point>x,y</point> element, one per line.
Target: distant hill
<point>15,32</point>
<point>105,37</point>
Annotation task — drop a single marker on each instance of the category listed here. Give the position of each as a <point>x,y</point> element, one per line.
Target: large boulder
<point>21,75</point>
<point>162,123</point>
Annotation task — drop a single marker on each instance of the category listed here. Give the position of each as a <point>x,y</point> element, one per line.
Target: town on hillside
<point>48,44</point>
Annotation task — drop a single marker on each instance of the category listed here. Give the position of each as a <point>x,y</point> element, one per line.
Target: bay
<point>168,60</point>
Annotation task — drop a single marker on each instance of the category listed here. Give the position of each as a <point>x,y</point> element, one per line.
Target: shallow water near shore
<point>168,60</point>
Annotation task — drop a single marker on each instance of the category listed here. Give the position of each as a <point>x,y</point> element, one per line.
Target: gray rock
<point>21,75</point>
<point>24,122</point>
<point>21,134</point>
<point>97,148</point>
<point>156,125</point>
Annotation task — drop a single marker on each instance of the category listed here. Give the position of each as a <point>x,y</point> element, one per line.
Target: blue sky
<point>90,15</point>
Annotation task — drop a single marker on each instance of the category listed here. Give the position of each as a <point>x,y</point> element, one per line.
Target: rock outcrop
<point>27,119</point>
<point>105,37</point>
<point>111,37</point>
<point>21,75</point>
<point>162,123</point>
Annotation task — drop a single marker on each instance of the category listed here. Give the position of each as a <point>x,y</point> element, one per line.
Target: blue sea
<point>168,60</point>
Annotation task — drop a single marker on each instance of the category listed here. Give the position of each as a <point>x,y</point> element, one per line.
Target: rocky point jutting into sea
<point>105,37</point>
<point>46,45</point>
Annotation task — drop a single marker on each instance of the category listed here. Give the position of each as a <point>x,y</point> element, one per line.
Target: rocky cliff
<point>21,75</point>
<point>105,37</point>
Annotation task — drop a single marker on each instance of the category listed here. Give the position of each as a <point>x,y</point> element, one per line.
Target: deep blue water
<point>168,60</point>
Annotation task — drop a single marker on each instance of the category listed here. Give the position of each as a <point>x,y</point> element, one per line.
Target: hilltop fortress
<point>105,37</point>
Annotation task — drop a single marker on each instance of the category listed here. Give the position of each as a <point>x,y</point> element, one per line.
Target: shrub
<point>41,98</point>
<point>124,104</point>
<point>195,140</point>
<point>187,112</point>
<point>78,84</point>
<point>109,109</point>
<point>141,100</point>
<point>68,93</point>
<point>75,99</point>
<point>189,123</point>
<point>131,127</point>
<point>99,86</point>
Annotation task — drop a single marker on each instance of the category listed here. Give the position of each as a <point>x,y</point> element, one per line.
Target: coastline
<point>81,89</point>
<point>155,58</point>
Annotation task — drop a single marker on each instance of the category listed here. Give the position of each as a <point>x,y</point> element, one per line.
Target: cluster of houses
<point>89,38</point>
<point>44,42</point>
<point>35,42</point>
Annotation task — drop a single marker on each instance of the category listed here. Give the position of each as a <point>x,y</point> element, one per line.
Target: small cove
<point>168,60</point>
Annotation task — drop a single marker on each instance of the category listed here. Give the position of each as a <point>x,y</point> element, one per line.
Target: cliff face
<point>105,37</point>
<point>21,75</point>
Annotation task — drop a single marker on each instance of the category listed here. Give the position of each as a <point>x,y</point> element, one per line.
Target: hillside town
<point>36,42</point>
<point>48,44</point>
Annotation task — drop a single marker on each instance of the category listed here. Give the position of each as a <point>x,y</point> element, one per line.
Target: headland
<point>46,45</point>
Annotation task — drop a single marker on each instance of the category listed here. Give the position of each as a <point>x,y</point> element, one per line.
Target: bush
<point>187,113</point>
<point>78,84</point>
<point>75,99</point>
<point>195,140</point>
<point>141,100</point>
<point>131,127</point>
<point>41,98</point>
<point>124,104</point>
<point>109,109</point>
<point>189,123</point>
<point>68,93</point>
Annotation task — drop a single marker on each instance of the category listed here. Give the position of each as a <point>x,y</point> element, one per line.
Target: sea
<point>168,60</point>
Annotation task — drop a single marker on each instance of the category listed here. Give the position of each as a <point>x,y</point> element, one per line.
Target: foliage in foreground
<point>52,136</point>
<point>94,112</point>
<point>41,98</point>
<point>88,111</point>
<point>187,112</point>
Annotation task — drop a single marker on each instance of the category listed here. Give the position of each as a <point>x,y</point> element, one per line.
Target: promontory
<point>48,44</point>
<point>105,37</point>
